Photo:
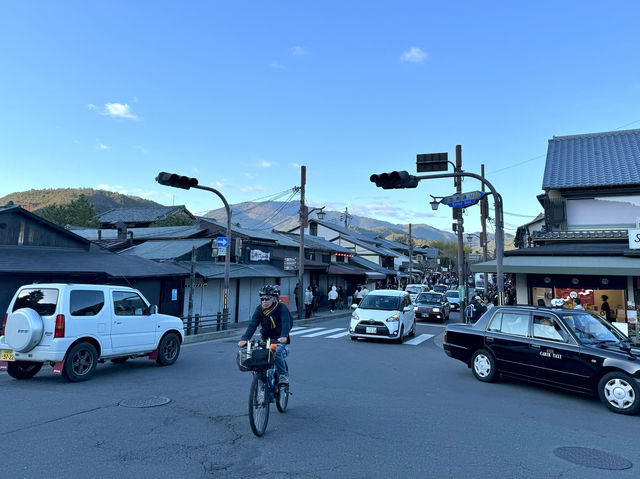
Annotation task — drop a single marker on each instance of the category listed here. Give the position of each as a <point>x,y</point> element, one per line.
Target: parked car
<point>432,306</point>
<point>383,313</point>
<point>414,290</point>
<point>74,326</point>
<point>454,299</point>
<point>564,348</point>
<point>440,288</point>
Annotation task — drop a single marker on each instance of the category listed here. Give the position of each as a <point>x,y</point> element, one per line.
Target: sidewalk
<point>236,329</point>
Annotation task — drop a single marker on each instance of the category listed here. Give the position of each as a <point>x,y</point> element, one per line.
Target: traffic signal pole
<point>303,224</point>
<point>457,214</point>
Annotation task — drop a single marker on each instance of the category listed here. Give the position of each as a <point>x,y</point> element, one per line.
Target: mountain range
<point>266,215</point>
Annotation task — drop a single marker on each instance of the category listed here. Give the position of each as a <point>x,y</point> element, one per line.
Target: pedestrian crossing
<point>336,333</point>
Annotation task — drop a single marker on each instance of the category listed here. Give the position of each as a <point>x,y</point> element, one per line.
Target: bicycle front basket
<point>256,359</point>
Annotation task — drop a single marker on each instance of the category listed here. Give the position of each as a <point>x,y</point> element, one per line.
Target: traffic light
<point>394,180</point>
<point>432,162</point>
<point>175,180</point>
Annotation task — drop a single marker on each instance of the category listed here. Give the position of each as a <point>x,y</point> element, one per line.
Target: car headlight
<point>392,319</point>
<point>355,316</point>
<point>436,310</point>
<point>415,308</point>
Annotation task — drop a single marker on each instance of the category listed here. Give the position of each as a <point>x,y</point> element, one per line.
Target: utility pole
<point>192,282</point>
<point>484,212</point>
<point>346,218</point>
<point>457,215</point>
<point>410,255</point>
<point>303,225</point>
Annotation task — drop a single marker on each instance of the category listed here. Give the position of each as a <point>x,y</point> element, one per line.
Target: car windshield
<point>452,294</point>
<point>414,289</point>
<point>429,298</point>
<point>385,303</point>
<point>439,287</point>
<point>590,329</point>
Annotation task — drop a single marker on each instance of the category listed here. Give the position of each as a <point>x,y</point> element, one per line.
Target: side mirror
<point>354,306</point>
<point>153,309</point>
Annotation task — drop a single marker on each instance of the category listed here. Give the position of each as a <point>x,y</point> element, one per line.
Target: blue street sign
<point>223,241</point>
<point>463,199</point>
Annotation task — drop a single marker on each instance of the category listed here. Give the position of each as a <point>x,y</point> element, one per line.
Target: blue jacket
<point>275,322</point>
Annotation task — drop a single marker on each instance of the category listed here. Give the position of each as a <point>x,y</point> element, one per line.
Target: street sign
<point>223,241</point>
<point>634,239</point>
<point>290,263</point>
<point>463,199</point>
<point>222,251</point>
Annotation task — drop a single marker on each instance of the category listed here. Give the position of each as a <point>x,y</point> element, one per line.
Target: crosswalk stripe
<point>419,339</point>
<point>339,335</point>
<point>303,331</point>
<point>299,328</point>
<point>312,335</point>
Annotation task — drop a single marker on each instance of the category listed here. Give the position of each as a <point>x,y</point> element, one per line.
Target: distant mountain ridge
<point>101,200</point>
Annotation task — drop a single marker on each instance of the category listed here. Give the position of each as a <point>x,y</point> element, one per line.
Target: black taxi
<point>566,348</point>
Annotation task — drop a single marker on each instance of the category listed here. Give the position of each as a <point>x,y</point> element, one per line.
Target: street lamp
<point>185,182</point>
<point>435,203</point>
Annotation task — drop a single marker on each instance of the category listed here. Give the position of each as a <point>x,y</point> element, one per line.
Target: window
<point>510,322</point>
<point>546,327</point>
<point>86,303</point>
<point>42,300</point>
<point>129,304</point>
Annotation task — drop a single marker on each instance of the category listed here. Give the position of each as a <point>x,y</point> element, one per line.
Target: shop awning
<point>596,265</point>
<point>346,270</point>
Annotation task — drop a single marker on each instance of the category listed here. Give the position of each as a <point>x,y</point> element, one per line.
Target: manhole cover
<point>588,457</point>
<point>145,402</point>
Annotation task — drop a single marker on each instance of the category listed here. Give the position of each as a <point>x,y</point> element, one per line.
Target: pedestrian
<point>357,297</point>
<point>364,291</point>
<point>333,297</point>
<point>577,304</point>
<point>340,298</point>
<point>296,292</point>
<point>316,298</point>
<point>308,302</point>
<point>607,309</point>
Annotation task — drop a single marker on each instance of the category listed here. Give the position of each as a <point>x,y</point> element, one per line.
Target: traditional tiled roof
<point>594,159</point>
<point>139,233</point>
<point>141,215</point>
<point>318,243</point>
<point>213,270</point>
<point>165,250</point>
<point>589,234</point>
<point>371,265</point>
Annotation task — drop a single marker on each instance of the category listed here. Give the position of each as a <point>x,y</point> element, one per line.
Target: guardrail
<point>206,323</point>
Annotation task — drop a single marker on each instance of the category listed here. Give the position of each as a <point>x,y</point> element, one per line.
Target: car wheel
<point>400,338</point>
<point>80,362</point>
<point>412,333</point>
<point>23,369</point>
<point>483,366</point>
<point>168,350</point>
<point>119,360</point>
<point>619,392</point>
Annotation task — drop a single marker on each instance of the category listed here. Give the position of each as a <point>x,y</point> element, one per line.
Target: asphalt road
<point>360,409</point>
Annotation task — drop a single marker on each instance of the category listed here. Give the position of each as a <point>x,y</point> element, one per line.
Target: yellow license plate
<point>6,355</point>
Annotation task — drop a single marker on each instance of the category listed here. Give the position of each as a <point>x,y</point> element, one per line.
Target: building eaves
<point>579,235</point>
<point>165,249</point>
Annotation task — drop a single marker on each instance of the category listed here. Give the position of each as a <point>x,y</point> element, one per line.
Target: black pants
<point>333,304</point>
<point>307,310</point>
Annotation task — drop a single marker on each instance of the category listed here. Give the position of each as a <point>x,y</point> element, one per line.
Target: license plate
<point>6,355</point>
<point>372,330</point>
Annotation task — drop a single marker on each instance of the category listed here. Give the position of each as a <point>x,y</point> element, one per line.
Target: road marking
<point>322,332</point>
<point>303,331</point>
<point>339,335</point>
<point>298,328</point>
<point>419,339</point>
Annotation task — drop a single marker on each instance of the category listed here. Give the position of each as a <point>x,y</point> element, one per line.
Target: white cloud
<point>133,192</point>
<point>118,188</point>
<point>115,110</point>
<point>276,65</point>
<point>102,146</point>
<point>294,165</point>
<point>414,55</point>
<point>265,164</point>
<point>249,189</point>
<point>298,51</point>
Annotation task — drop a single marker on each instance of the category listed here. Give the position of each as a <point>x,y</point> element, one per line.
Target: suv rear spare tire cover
<point>23,330</point>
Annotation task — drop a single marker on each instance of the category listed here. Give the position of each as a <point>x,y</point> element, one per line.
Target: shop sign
<point>634,239</point>
<point>290,263</point>
<point>257,255</point>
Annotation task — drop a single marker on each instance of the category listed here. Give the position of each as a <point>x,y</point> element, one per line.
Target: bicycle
<point>260,360</point>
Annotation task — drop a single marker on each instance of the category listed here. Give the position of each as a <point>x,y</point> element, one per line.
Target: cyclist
<point>275,322</point>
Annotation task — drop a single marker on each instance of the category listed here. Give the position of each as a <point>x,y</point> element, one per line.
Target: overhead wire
<point>276,212</point>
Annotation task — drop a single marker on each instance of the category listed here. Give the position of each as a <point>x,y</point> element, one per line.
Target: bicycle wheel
<point>282,399</point>
<point>259,404</point>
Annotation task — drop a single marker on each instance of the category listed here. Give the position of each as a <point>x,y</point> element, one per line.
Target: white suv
<point>75,326</point>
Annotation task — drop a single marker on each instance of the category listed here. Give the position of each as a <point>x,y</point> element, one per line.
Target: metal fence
<point>199,324</point>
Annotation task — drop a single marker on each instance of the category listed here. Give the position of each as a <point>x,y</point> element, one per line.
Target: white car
<point>415,289</point>
<point>383,314</point>
<point>74,326</point>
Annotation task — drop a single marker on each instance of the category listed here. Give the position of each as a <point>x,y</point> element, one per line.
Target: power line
<point>277,211</point>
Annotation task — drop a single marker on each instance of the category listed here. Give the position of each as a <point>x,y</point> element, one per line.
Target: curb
<point>237,328</point>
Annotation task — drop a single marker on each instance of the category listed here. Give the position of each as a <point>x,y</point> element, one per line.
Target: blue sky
<point>239,94</point>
